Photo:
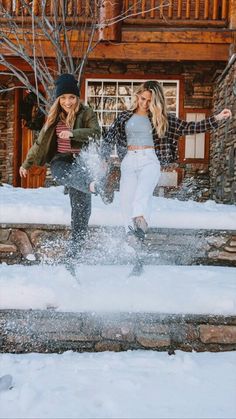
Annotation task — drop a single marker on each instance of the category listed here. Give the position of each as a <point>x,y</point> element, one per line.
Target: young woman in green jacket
<point>69,127</point>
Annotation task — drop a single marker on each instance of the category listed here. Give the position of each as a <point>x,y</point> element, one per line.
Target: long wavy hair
<point>157,105</point>
<point>56,112</point>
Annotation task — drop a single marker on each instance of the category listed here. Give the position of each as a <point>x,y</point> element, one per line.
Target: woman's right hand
<point>23,172</point>
<point>226,113</point>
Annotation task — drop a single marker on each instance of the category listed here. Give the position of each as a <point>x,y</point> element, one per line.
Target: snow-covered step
<point>45,308</point>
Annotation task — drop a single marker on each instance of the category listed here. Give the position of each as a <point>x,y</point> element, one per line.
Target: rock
<point>21,240</point>
<point>6,382</point>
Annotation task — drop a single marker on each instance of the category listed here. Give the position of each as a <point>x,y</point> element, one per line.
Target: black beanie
<point>66,83</point>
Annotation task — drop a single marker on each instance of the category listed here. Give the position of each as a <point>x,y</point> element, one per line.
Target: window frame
<point>138,78</point>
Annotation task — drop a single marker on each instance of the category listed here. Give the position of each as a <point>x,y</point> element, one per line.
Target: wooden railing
<point>155,11</point>
<point>77,8</point>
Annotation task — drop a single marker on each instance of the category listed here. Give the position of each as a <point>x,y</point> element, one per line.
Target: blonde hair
<point>56,112</point>
<point>157,105</point>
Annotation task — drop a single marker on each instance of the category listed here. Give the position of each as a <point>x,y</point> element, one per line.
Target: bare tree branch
<point>37,27</point>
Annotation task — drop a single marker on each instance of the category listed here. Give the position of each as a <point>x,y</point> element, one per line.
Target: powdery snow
<point>133,384</point>
<point>51,206</point>
<point>163,289</point>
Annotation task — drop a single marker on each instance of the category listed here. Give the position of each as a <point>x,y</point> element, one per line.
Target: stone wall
<point>3,137</point>
<point>223,144</point>
<point>6,137</point>
<point>51,331</point>
<point>106,245</point>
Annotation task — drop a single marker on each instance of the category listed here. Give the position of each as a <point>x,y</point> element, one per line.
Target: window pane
<point>95,102</point>
<point>109,89</point>
<point>190,147</point>
<point>169,90</point>
<point>195,144</point>
<point>171,104</point>
<point>94,89</point>
<point>200,146</point>
<point>109,103</point>
<point>123,103</point>
<point>124,89</point>
<point>108,117</point>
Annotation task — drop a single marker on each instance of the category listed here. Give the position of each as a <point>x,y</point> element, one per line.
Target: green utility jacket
<point>86,127</point>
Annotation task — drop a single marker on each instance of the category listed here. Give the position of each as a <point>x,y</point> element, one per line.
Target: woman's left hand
<point>225,114</point>
<point>65,134</point>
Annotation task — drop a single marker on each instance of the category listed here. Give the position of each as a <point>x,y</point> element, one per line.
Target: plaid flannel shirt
<point>166,147</point>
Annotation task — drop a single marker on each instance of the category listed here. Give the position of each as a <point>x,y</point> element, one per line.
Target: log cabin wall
<point>223,144</point>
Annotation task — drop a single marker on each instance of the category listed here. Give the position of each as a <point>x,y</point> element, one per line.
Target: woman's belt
<point>140,147</point>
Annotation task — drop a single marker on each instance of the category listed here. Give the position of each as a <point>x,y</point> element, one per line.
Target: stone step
<point>107,245</point>
<point>51,331</point>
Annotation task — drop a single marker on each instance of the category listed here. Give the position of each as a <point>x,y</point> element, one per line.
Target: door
<point>23,140</point>
<point>36,175</point>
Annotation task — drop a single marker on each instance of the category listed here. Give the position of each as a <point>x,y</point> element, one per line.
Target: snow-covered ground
<point>51,206</point>
<point>135,384</point>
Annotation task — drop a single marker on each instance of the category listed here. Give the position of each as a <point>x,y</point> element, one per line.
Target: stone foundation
<point>49,331</point>
<point>106,245</point>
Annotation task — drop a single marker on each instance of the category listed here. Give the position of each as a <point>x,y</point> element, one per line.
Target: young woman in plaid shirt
<point>146,138</point>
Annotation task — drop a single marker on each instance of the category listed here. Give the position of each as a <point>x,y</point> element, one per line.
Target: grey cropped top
<point>138,131</point>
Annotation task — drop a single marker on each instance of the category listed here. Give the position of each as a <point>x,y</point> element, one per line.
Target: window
<point>195,144</point>
<point>109,97</point>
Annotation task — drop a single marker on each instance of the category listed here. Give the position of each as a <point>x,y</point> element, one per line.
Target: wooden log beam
<point>184,36</point>
<point>160,36</point>
<point>208,23</point>
<point>149,51</point>
<point>161,52</point>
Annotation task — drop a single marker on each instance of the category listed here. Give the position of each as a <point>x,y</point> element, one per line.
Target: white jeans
<point>140,172</point>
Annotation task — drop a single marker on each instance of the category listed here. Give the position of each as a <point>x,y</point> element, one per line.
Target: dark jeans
<point>75,176</point>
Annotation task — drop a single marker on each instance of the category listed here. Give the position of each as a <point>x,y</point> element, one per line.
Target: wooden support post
<point>18,8</point>
<point>161,9</point>
<point>8,5</point>
<point>170,9</point>
<point>197,9</point>
<point>215,10</point>
<point>143,8</point>
<point>224,9</point>
<point>206,9</point>
<point>187,9</point>
<point>179,9</point>
<point>35,6</point>
<point>109,19</point>
<point>152,14</point>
